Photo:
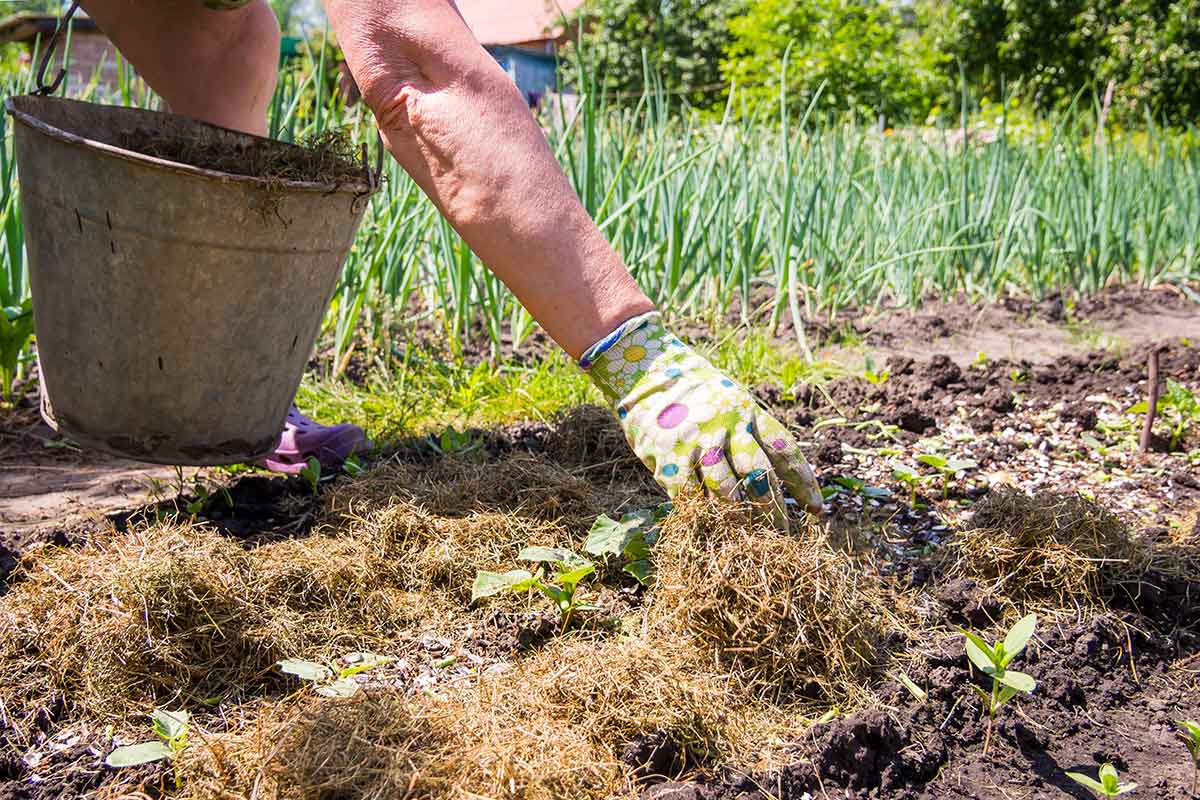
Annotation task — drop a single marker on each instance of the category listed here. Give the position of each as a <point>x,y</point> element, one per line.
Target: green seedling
<point>1107,786</point>
<point>561,586</point>
<point>171,728</point>
<point>1189,732</point>
<point>993,661</point>
<point>861,487</point>
<point>874,376</point>
<point>910,478</point>
<point>630,540</point>
<point>333,681</point>
<point>947,467</point>
<point>312,473</point>
<point>1178,406</point>
<point>352,466</point>
<point>454,442</point>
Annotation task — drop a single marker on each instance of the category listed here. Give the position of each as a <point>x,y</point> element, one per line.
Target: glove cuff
<point>620,359</point>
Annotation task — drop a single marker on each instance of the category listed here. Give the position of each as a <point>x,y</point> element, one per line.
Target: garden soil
<point>660,693</point>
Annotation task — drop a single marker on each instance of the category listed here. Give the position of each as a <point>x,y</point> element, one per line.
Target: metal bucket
<point>175,307</point>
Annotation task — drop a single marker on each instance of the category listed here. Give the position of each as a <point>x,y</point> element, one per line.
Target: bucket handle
<point>43,88</point>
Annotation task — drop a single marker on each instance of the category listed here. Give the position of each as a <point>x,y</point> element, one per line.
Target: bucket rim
<point>359,188</point>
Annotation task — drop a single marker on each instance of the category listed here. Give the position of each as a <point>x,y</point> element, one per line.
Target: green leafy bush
<point>866,57</point>
<point>683,43</point>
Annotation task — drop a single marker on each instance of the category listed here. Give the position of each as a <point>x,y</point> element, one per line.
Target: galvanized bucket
<point>175,307</point>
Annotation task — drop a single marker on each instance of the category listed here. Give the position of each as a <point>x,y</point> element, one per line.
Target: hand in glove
<point>691,425</point>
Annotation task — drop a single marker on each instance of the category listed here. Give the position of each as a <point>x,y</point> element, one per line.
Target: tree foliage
<point>683,40</point>
<point>868,57</point>
<point>1051,51</point>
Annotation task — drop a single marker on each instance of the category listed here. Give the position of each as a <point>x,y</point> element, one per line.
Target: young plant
<point>948,467</point>
<point>1189,732</point>
<point>171,728</point>
<point>993,661</point>
<point>1179,406</point>
<point>333,681</point>
<point>16,329</point>
<point>910,478</point>
<point>561,585</point>
<point>312,473</point>
<point>874,376</point>
<point>630,540</point>
<point>1107,786</point>
<point>454,442</point>
<point>861,487</point>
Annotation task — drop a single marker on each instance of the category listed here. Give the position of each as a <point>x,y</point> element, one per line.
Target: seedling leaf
<point>131,755</point>
<point>169,724</point>
<point>342,687</point>
<point>980,652</point>
<point>1084,780</point>
<point>1017,680</point>
<point>305,670</point>
<point>609,537</point>
<point>574,576</point>
<point>490,583</point>
<point>551,554</point>
<point>640,569</point>
<point>1019,636</point>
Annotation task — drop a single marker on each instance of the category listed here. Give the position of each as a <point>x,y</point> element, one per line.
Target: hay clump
<point>521,485</point>
<point>1060,548</point>
<point>125,621</point>
<point>589,436</point>
<point>383,744</point>
<point>790,618</point>
<point>440,555</point>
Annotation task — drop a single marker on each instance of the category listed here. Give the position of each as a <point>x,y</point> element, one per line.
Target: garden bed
<point>756,666</point>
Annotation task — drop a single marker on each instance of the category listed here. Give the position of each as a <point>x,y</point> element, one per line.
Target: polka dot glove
<point>691,425</point>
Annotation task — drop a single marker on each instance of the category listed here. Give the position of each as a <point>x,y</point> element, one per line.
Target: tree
<point>683,41</point>
<point>863,53</point>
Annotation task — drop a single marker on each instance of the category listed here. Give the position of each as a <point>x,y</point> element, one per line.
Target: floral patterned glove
<point>691,425</point>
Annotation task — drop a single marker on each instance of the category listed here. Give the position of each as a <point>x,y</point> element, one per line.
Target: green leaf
<point>490,583</point>
<point>558,555</point>
<point>986,697</point>
<point>131,755</point>
<point>1017,680</point>
<point>1019,636</point>
<point>1108,778</point>
<point>904,472</point>
<point>1125,787</point>
<point>609,537</point>
<point>169,724</point>
<point>961,464</point>
<point>342,687</point>
<point>572,577</point>
<point>641,570</point>
<point>980,652</point>
<point>935,461</point>
<point>1084,780</point>
<point>1005,694</point>
<point>305,670</point>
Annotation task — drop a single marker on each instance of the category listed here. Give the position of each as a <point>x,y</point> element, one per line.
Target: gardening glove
<point>693,426</point>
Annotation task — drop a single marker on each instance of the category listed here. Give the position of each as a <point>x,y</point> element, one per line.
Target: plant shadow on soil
<point>706,686</point>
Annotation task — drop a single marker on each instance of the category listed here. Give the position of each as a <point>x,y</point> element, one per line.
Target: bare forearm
<point>456,123</point>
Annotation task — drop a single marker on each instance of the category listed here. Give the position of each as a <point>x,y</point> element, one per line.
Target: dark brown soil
<point>327,158</point>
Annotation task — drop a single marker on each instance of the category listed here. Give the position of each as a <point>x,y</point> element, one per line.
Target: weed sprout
<point>171,728</point>
<point>332,682</point>
<point>993,661</point>
<point>561,586</point>
<point>1189,732</point>
<point>630,540</point>
<point>1107,785</point>
<point>312,473</point>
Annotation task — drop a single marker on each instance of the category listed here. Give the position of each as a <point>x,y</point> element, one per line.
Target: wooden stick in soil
<point>1152,401</point>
